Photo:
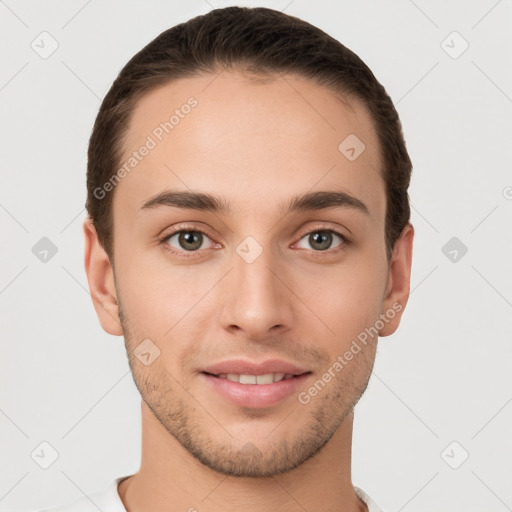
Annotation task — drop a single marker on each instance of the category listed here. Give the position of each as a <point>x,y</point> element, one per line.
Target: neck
<point>171,479</point>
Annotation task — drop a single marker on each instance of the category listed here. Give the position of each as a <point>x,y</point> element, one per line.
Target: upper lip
<point>244,367</point>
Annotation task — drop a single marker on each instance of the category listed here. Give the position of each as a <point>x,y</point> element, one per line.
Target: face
<point>246,243</point>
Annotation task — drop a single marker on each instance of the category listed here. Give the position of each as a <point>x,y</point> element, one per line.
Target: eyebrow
<point>301,202</point>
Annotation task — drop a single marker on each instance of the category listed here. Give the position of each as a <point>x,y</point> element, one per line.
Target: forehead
<point>250,140</point>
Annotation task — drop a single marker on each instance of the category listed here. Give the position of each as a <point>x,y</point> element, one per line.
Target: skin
<point>256,145</point>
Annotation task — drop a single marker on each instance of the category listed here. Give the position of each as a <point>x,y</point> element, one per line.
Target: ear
<point>100,276</point>
<point>399,280</point>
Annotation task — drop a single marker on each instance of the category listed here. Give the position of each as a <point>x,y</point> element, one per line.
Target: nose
<point>257,302</point>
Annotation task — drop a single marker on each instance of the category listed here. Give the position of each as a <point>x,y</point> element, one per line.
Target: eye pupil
<point>320,237</point>
<point>190,237</point>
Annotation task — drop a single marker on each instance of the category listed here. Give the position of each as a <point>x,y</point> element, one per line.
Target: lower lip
<point>255,395</point>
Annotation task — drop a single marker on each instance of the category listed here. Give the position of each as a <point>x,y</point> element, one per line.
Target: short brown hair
<point>258,40</point>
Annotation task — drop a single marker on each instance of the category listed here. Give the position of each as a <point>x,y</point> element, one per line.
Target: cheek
<point>162,300</point>
<point>348,301</point>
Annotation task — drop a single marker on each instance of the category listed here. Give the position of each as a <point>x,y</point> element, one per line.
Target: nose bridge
<point>255,301</point>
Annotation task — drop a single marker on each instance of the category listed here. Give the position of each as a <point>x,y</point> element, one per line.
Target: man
<point>249,236</point>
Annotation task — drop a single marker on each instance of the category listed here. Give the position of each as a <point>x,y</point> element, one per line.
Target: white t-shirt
<point>108,500</point>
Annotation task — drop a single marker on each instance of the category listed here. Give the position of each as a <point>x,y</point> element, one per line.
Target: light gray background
<point>444,376</point>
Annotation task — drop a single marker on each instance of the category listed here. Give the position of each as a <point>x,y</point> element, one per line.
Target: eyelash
<point>191,254</point>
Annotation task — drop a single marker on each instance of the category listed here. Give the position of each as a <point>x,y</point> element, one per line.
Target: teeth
<point>247,379</point>
<point>268,378</point>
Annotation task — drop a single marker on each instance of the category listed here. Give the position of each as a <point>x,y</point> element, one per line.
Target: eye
<point>189,240</point>
<point>322,239</point>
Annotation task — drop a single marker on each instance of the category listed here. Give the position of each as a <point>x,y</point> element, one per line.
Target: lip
<point>256,396</point>
<point>242,366</point>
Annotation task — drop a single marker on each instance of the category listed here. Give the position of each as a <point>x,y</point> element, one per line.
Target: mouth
<point>267,378</point>
<point>256,391</point>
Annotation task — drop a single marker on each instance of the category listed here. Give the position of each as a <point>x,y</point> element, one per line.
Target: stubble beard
<point>301,435</point>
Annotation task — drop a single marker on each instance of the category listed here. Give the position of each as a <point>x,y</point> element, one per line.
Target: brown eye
<point>321,240</point>
<point>187,240</point>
